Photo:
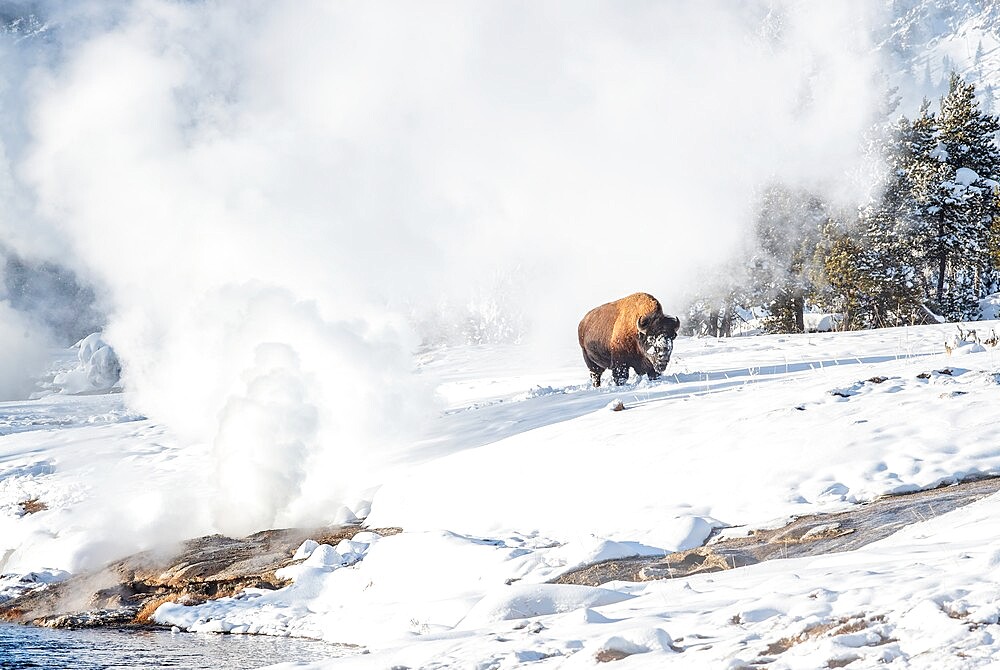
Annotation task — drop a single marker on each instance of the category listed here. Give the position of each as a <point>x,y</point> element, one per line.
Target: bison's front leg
<point>620,373</point>
<point>648,370</point>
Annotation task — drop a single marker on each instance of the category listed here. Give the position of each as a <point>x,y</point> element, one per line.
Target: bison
<point>632,332</point>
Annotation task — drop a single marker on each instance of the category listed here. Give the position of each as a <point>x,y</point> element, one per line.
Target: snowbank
<point>989,307</point>
<point>97,370</point>
<point>820,322</point>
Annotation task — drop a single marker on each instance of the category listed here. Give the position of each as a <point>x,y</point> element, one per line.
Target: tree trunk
<point>942,259</point>
<point>713,323</point>
<point>726,329</point>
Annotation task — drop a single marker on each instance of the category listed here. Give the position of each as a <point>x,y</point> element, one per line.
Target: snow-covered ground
<point>528,473</point>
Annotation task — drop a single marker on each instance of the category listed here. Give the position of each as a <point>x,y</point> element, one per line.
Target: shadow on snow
<point>479,425</point>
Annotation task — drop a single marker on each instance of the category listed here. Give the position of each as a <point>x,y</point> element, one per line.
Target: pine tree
<point>953,163</point>
<point>786,234</point>
<point>929,241</point>
<point>714,312</point>
<point>892,294</point>
<point>988,99</point>
<point>722,301</point>
<point>865,275</point>
<point>927,84</point>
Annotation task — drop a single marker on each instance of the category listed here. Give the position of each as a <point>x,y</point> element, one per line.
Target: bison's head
<point>656,333</point>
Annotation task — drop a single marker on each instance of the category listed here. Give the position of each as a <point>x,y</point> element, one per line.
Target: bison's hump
<point>613,324</point>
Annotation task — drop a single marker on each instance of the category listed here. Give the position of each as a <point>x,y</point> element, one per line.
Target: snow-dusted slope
<point>528,473</point>
<point>925,40</point>
<point>519,483</point>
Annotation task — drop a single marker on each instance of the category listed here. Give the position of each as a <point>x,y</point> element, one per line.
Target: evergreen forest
<point>925,249</point>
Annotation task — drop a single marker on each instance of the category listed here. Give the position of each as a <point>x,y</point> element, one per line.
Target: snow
<point>13,585</point>
<point>820,322</point>
<point>508,488</point>
<point>966,176</point>
<point>962,187</point>
<point>97,369</point>
<point>532,600</point>
<point>989,307</point>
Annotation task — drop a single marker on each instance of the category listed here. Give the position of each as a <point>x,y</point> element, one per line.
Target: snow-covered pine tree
<point>953,165</point>
<point>915,156</point>
<point>881,263</point>
<point>865,274</point>
<point>838,279</point>
<point>867,265</point>
<point>927,83</point>
<point>988,97</point>
<point>787,231</point>
<point>713,312</point>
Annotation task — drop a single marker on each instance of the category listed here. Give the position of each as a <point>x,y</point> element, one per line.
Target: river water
<point>100,649</point>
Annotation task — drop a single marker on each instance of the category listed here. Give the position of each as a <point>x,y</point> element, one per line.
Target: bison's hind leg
<point>595,370</point>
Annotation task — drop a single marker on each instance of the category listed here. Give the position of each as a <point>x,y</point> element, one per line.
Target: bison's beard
<point>659,356</point>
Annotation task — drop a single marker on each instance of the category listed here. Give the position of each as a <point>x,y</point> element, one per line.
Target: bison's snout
<point>659,350</point>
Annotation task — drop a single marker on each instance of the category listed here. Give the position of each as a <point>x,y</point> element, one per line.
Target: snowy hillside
<point>928,39</point>
<point>528,473</point>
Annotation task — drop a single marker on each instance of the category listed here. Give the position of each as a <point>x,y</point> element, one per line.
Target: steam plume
<point>263,191</point>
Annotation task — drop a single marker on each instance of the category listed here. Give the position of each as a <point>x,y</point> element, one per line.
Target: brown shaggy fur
<point>609,336</point>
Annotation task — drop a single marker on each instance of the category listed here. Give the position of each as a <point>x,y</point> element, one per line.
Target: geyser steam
<point>262,189</point>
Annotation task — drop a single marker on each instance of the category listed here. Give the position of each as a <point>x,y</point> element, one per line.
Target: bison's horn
<point>641,323</point>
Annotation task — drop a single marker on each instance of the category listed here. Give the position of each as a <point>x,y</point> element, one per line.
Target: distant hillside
<point>927,39</point>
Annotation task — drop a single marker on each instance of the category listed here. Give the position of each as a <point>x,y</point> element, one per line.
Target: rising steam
<point>268,195</point>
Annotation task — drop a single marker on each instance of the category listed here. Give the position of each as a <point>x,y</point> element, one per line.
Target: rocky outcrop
<point>806,536</point>
<point>128,592</point>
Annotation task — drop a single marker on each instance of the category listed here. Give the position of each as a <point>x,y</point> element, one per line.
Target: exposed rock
<point>32,505</point>
<point>806,536</point>
<point>127,592</point>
